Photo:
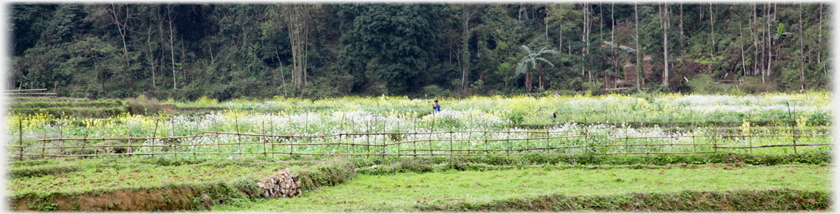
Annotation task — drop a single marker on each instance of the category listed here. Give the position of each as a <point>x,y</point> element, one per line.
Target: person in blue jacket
<point>436,106</point>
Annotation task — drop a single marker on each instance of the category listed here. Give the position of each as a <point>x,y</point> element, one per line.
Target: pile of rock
<point>281,184</point>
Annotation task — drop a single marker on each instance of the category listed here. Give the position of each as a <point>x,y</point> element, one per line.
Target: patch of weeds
<point>42,203</point>
<point>41,170</point>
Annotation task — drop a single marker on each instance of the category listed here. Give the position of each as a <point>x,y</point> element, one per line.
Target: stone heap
<point>281,184</point>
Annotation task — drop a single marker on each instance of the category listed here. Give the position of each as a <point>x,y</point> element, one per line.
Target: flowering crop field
<point>475,125</point>
<point>697,109</point>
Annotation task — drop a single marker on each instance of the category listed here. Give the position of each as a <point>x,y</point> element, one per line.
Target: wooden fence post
<point>154,135</point>
<point>265,150</point>
<point>644,136</point>
<point>174,145</point>
<point>586,133</point>
<point>793,129</point>
<point>271,127</point>
<point>749,140</point>
<point>486,145</point>
<point>61,136</point>
<point>507,139</point>
<point>415,137</point>
<point>450,144</point>
<point>341,134</point>
<point>195,130</point>
<point>527,137</point>
<point>43,142</point>
<point>130,147</point>
<point>626,143</point>
<point>714,138</point>
<point>324,142</point>
<point>352,148</point>
<point>218,145</point>
<point>289,130</point>
<point>367,138</point>
<point>384,140</point>
<point>548,138</point>
<point>84,141</point>
<point>238,136</point>
<point>20,137</point>
<point>434,120</point>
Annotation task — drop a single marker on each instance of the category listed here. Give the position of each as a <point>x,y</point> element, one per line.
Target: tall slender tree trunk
<point>612,39</point>
<point>819,38</point>
<point>769,47</point>
<point>712,50</point>
<point>587,25</point>
<point>741,45</point>
<point>639,66</point>
<point>560,27</point>
<point>465,53</point>
<point>801,51</point>
<point>665,24</point>
<point>151,56</point>
<point>297,19</point>
<point>601,28</point>
<point>763,53</point>
<point>122,28</point>
<point>528,84</point>
<point>682,41</point>
<point>754,32</point>
<point>171,45</point>
<point>819,41</point>
<point>601,38</point>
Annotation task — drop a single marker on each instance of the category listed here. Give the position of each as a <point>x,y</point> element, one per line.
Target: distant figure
<point>553,116</point>
<point>436,106</point>
<point>556,94</point>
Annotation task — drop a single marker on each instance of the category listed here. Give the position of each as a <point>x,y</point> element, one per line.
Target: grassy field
<point>413,191</point>
<point>108,175</point>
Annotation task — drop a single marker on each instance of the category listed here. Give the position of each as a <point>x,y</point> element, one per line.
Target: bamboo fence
<point>514,146</point>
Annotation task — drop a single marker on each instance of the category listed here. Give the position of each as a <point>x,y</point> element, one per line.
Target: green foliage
<point>225,52</point>
<point>41,170</point>
<point>228,182</point>
<point>42,203</point>
<point>673,188</point>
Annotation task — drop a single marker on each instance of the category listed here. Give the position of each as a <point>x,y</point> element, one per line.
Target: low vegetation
<point>490,190</point>
<point>189,183</point>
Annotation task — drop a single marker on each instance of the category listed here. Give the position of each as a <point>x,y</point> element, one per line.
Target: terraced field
<point>667,152</point>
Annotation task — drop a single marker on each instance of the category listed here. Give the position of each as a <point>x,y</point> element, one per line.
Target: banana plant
<point>532,58</point>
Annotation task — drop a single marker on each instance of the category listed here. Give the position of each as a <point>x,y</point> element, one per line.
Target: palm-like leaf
<point>624,49</point>
<point>527,50</point>
<point>531,58</point>
<point>520,68</point>
<point>544,60</point>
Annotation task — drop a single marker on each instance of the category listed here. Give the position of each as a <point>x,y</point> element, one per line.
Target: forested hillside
<point>224,51</point>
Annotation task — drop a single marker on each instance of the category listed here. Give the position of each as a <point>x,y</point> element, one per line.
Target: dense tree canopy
<point>185,51</point>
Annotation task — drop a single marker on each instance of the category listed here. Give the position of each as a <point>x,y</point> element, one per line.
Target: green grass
<point>411,191</point>
<point>107,175</point>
